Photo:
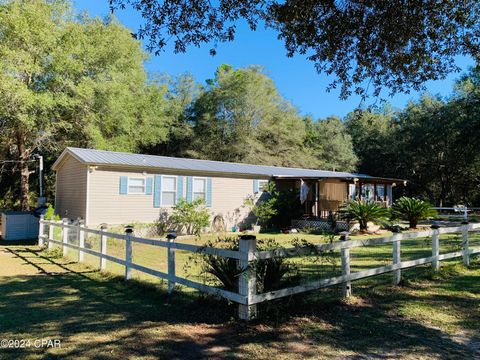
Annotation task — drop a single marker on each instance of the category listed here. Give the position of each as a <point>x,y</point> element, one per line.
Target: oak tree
<point>366,44</point>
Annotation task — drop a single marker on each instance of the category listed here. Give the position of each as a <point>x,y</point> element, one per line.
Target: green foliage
<point>269,272</point>
<point>364,212</point>
<point>241,117</point>
<point>71,80</point>
<point>276,208</point>
<point>223,269</point>
<point>373,139</point>
<point>50,213</point>
<point>412,210</point>
<point>431,143</point>
<point>9,199</point>
<point>264,209</point>
<point>366,45</point>
<point>190,217</point>
<point>330,144</point>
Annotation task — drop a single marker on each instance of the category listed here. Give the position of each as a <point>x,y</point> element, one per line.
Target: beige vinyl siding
<point>107,205</point>
<point>228,198</point>
<point>71,189</point>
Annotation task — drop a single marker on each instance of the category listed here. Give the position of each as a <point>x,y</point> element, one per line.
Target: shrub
<point>264,211</point>
<point>363,212</point>
<point>50,213</point>
<point>269,272</point>
<point>279,207</point>
<point>163,224</point>
<point>190,217</point>
<point>412,210</point>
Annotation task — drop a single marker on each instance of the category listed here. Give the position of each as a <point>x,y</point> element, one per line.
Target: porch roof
<point>360,177</point>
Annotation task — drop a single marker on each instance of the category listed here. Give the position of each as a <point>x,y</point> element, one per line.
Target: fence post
<point>51,229</point>
<point>345,255</point>
<point>81,241</point>
<point>41,230</point>
<point>466,254</point>
<point>65,237</point>
<point>103,247</point>
<point>347,285</point>
<point>247,282</point>
<point>435,248</point>
<point>128,251</point>
<point>171,261</point>
<point>397,274</point>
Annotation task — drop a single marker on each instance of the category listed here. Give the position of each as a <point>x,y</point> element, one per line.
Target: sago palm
<point>412,210</point>
<point>364,211</point>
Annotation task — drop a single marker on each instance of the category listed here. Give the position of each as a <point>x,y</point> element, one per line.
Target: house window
<point>262,185</point>
<point>380,192</point>
<point>199,188</point>
<point>169,190</point>
<point>136,186</point>
<point>367,191</point>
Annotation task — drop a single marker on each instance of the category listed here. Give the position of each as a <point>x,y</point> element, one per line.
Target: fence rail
<point>247,297</point>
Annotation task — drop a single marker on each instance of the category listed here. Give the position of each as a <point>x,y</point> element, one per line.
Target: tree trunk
<point>363,225</point>
<point>24,172</point>
<point>413,223</point>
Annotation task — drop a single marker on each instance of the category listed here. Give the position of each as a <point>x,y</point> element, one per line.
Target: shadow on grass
<point>18,242</point>
<point>101,316</point>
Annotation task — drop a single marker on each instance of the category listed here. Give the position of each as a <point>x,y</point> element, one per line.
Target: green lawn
<point>309,267</point>
<point>98,315</point>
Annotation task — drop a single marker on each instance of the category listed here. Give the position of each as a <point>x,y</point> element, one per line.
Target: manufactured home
<point>119,188</point>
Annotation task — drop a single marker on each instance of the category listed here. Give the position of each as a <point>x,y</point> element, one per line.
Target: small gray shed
<point>19,225</point>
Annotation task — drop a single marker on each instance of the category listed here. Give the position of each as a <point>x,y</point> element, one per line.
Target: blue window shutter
<point>256,188</point>
<point>157,191</point>
<point>148,186</point>
<point>179,188</point>
<point>209,192</point>
<point>189,189</point>
<point>123,185</point>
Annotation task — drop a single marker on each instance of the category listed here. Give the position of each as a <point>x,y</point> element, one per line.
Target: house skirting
<point>322,224</point>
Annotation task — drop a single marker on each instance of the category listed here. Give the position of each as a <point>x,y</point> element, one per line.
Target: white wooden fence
<point>247,298</point>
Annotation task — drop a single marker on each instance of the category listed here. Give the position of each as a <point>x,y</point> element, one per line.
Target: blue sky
<point>296,78</point>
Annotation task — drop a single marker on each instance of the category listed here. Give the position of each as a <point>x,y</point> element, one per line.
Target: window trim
<point>204,189</point>
<point>137,178</point>
<point>174,191</point>
<point>260,181</point>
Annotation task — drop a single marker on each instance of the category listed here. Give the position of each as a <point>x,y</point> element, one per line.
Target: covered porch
<point>321,198</point>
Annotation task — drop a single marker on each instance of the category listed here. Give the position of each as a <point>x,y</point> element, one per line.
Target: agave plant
<point>412,210</point>
<point>364,211</point>
<point>269,272</point>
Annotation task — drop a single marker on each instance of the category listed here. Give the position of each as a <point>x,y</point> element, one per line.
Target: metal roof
<point>102,157</point>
